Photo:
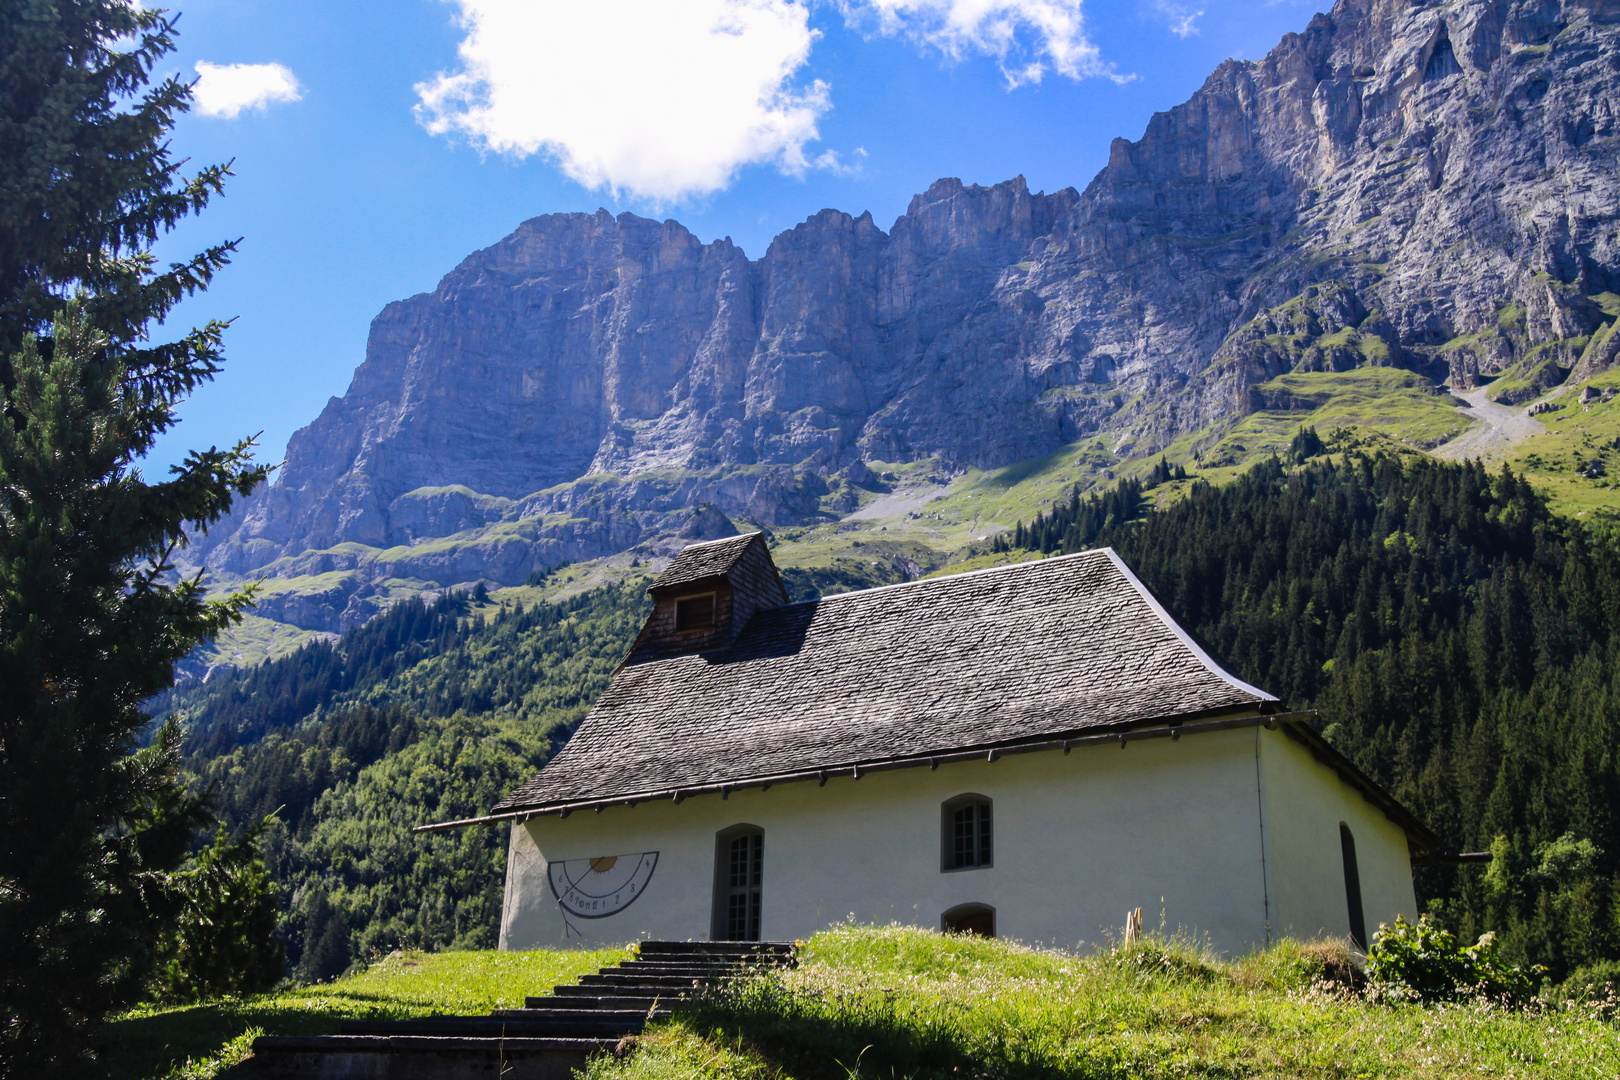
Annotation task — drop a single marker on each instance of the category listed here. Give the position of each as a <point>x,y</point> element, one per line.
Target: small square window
<point>694,613</point>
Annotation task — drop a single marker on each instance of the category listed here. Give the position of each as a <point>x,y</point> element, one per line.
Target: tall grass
<point>896,1001</point>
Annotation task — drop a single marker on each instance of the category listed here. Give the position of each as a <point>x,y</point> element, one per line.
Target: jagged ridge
<point>1433,187</point>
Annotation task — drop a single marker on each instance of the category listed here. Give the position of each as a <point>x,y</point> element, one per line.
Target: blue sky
<point>377,144</point>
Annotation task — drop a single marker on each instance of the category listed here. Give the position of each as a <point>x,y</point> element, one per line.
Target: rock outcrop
<point>1430,186</point>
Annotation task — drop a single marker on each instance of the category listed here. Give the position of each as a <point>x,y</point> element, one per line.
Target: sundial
<point>606,885</point>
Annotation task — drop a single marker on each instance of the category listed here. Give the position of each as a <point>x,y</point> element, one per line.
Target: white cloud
<point>663,99</point>
<point>226,89</point>
<point>1179,17</point>
<point>1028,38</point>
<point>833,162</point>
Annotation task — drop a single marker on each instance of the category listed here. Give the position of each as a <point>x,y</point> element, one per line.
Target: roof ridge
<point>983,570</point>
<point>721,540</point>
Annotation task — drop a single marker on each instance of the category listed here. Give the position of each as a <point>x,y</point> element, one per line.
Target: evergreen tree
<point>223,938</point>
<point>91,618</point>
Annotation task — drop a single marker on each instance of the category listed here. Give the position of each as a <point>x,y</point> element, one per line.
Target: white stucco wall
<point>1079,839</point>
<point>1304,803</point>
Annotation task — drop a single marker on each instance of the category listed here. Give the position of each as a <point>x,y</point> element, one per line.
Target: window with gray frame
<point>738,877</point>
<point>965,833</point>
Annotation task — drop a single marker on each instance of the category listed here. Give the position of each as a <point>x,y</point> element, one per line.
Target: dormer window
<point>705,596</point>
<point>694,613</point>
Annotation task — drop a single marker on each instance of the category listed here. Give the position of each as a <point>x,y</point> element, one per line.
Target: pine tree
<point>91,617</point>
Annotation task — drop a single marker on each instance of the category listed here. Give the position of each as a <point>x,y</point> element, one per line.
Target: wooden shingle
<point>1041,650</point>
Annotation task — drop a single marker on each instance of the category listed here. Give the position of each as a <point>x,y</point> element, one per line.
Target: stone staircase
<point>545,1040</point>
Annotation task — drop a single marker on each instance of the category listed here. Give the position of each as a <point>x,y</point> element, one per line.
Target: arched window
<point>1352,887</point>
<point>977,919</point>
<point>964,833</point>
<point>738,874</point>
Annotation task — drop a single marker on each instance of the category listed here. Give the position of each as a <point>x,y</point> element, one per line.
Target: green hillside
<point>1575,458</point>
<point>895,1001</point>
<point>198,1042</point>
<point>1459,637</point>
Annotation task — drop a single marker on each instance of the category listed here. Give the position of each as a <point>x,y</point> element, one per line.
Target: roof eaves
<point>1418,834</point>
<point>1163,727</point>
<point>1296,725</point>
<point>1201,720</point>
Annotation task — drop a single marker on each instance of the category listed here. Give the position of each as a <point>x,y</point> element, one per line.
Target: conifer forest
<point>1457,638</point>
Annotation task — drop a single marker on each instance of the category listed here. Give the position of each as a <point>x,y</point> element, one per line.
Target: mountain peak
<point>1427,187</point>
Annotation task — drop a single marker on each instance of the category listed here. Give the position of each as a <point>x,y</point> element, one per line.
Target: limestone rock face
<point>1422,185</point>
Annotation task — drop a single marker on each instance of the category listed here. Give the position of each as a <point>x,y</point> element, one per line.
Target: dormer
<point>707,594</point>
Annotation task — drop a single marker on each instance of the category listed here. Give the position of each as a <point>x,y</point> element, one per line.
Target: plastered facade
<point>1305,802</point>
<point>1233,835</point>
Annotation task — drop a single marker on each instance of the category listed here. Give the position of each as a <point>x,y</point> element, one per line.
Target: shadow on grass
<point>148,1045</point>
<point>820,1037</point>
<point>139,1047</point>
<point>1024,470</point>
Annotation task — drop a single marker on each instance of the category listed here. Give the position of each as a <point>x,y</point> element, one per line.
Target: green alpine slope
<point>1457,635</point>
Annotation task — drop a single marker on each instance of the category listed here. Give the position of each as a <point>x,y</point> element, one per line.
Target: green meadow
<point>900,1002</point>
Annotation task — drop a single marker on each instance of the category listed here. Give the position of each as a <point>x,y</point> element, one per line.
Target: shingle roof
<point>699,562</point>
<point>983,659</point>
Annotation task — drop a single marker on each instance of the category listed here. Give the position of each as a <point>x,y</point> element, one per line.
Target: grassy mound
<point>895,1001</point>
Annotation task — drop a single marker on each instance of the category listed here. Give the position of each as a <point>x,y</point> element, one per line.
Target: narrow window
<point>978,919</point>
<point>1352,887</point>
<point>739,874</point>
<point>694,613</point>
<point>965,833</point>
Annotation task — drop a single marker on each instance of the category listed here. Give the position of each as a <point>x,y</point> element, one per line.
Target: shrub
<point>1596,985</point>
<point>1423,961</point>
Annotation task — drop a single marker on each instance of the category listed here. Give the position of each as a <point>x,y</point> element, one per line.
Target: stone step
<point>638,1010</point>
<point>673,982</point>
<point>418,1057</point>
<point>613,1000</point>
<point>706,960</point>
<point>571,992</point>
<point>715,948</point>
<point>690,971</point>
<point>549,1039</point>
<point>575,1025</point>
<point>319,1043</point>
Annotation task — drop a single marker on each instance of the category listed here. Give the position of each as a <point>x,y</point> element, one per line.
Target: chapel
<point>1027,751</point>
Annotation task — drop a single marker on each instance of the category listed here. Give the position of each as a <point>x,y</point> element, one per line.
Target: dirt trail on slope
<point>1499,427</point>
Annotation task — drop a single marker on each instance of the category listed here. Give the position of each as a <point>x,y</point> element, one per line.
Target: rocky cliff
<point>1430,186</point>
